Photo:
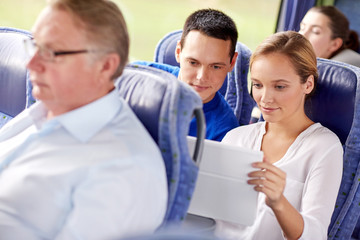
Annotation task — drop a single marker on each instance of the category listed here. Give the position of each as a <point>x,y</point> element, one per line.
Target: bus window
<point>149,20</point>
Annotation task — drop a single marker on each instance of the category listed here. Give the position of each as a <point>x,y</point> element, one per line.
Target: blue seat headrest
<point>165,49</point>
<point>145,93</point>
<point>13,73</point>
<point>333,102</point>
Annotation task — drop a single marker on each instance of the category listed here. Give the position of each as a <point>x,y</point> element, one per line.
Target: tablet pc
<point>221,190</point>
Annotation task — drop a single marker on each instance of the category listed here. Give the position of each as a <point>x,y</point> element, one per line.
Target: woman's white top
<point>313,164</point>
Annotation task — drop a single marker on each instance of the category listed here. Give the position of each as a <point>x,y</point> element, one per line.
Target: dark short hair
<point>212,23</point>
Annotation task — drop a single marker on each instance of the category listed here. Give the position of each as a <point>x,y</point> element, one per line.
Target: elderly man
<point>71,166</point>
<point>206,53</point>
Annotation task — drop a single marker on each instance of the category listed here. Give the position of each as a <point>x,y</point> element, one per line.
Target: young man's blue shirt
<point>219,116</point>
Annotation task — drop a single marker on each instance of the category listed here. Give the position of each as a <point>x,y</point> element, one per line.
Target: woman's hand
<point>269,180</point>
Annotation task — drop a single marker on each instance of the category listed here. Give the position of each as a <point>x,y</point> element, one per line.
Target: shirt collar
<point>84,122</point>
<point>38,113</point>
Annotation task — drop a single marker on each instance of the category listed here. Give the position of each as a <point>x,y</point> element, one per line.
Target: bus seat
<point>336,105</point>
<point>15,86</point>
<point>235,87</point>
<point>165,107</point>
<point>333,102</point>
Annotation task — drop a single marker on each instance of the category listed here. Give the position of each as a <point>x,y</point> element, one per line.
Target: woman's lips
<point>268,109</point>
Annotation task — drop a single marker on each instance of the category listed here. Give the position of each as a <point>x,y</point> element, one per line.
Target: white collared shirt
<point>91,173</point>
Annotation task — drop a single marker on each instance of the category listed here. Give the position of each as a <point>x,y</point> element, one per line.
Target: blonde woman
<point>300,175</point>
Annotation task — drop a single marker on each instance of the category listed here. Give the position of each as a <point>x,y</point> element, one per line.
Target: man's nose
<point>201,73</point>
<point>34,63</point>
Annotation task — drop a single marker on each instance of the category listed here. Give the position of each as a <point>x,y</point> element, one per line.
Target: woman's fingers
<point>268,175</point>
<point>269,179</point>
<point>265,166</point>
<point>266,184</point>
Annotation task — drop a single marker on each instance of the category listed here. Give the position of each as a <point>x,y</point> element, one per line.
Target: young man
<point>70,165</point>
<point>206,53</point>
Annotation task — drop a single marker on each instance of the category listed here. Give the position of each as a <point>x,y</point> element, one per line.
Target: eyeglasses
<point>47,54</point>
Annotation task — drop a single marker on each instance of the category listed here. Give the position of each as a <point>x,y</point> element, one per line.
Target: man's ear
<point>178,51</point>
<point>233,61</point>
<point>109,65</point>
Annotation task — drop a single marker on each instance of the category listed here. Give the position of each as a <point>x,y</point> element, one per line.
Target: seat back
<point>15,89</point>
<point>165,107</point>
<point>235,87</point>
<point>336,105</point>
<point>333,102</point>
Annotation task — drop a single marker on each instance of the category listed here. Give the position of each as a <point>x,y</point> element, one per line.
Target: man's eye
<point>217,67</point>
<point>194,63</point>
